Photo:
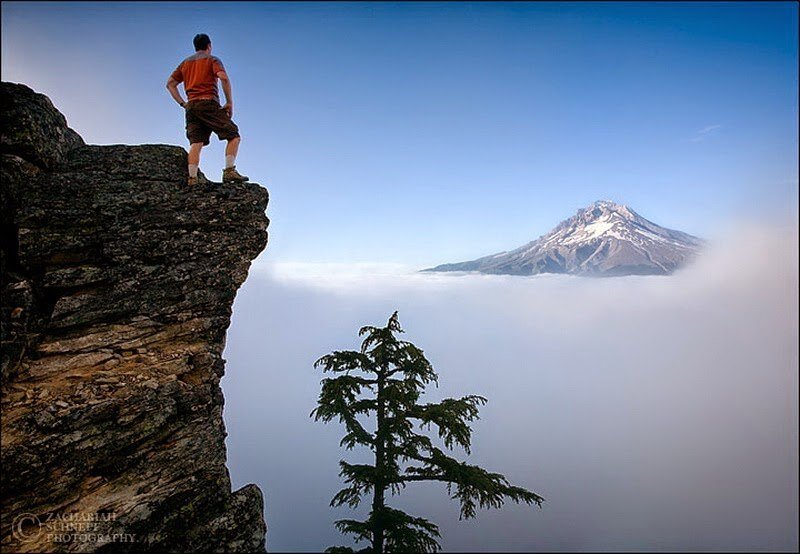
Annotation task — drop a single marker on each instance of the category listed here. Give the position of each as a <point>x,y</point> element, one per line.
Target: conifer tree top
<point>383,382</point>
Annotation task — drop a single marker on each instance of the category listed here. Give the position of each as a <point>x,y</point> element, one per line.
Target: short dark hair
<point>201,42</point>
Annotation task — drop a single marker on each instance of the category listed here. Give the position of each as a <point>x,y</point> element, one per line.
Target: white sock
<point>229,161</point>
<point>193,170</point>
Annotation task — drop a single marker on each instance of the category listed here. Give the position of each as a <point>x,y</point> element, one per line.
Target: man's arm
<point>172,87</point>
<point>226,88</point>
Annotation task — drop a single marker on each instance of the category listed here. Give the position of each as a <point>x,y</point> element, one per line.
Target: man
<point>199,74</point>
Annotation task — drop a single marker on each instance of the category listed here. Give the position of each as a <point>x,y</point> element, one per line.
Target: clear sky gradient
<point>423,133</point>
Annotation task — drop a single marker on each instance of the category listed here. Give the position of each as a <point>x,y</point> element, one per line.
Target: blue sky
<point>425,133</point>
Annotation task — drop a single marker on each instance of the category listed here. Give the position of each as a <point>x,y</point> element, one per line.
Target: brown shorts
<point>204,116</point>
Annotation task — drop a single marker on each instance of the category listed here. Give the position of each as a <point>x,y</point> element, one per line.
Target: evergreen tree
<point>382,384</point>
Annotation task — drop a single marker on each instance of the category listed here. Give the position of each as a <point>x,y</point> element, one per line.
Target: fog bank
<point>652,413</point>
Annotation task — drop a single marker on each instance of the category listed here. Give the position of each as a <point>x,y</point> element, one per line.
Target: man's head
<point>201,42</point>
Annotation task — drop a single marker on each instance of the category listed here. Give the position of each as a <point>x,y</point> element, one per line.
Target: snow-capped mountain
<point>604,239</point>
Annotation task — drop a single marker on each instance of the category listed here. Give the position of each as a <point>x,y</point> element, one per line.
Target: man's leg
<point>230,175</point>
<point>194,158</point>
<point>231,149</point>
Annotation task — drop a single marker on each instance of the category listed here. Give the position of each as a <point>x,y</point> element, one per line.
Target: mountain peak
<point>605,238</point>
<point>600,207</point>
<point>605,204</point>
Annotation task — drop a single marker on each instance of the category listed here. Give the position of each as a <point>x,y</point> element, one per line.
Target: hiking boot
<point>199,180</point>
<point>230,175</point>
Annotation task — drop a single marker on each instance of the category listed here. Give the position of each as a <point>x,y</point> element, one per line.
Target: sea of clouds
<point>652,413</point>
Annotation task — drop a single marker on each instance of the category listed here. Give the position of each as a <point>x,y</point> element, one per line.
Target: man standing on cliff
<point>199,74</point>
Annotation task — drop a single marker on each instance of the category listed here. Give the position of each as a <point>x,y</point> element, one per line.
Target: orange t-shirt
<point>198,73</point>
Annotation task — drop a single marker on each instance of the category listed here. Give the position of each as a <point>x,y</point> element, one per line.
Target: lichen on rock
<point>117,287</point>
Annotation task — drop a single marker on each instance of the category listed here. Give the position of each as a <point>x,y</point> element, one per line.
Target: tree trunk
<point>380,486</point>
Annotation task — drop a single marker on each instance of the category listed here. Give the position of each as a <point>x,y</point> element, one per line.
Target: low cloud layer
<point>652,413</point>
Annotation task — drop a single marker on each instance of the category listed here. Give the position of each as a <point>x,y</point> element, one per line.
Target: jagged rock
<point>117,286</point>
<point>33,129</point>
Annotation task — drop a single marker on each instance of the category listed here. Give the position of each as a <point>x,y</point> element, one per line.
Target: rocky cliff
<point>117,286</point>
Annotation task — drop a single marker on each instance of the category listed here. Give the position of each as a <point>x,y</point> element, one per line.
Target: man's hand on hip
<point>228,108</point>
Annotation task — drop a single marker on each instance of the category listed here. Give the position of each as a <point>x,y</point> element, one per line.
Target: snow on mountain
<point>604,239</point>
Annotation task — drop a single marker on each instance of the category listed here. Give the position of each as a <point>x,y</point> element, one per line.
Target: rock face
<point>117,286</point>
<point>604,239</point>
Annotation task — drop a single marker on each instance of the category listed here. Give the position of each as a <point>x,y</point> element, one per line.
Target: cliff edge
<point>117,286</point>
